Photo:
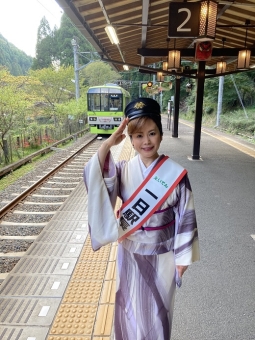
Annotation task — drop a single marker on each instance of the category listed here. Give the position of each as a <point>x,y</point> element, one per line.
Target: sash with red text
<point>149,196</point>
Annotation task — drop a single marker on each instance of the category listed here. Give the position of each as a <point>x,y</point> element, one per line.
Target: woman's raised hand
<point>114,139</point>
<point>118,136</point>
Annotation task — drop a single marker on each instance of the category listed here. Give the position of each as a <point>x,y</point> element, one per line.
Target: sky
<point>20,19</point>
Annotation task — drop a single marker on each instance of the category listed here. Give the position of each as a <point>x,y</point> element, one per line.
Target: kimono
<point>146,259</point>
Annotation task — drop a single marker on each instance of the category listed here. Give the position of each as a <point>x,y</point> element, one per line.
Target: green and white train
<point>106,105</point>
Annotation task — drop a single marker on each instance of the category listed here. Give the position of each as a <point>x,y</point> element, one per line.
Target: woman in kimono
<point>156,229</point>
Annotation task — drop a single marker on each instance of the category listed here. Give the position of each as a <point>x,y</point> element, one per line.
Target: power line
<point>48,9</point>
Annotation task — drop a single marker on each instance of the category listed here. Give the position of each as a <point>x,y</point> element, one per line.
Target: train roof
<point>109,85</point>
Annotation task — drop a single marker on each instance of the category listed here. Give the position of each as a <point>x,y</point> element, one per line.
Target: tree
<point>54,46</point>
<point>54,87</point>
<point>45,49</point>
<point>99,73</point>
<point>63,37</point>
<point>72,110</point>
<point>13,105</point>
<point>15,60</point>
<point>245,85</point>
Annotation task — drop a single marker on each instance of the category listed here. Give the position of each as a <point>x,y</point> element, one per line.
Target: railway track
<point>24,214</point>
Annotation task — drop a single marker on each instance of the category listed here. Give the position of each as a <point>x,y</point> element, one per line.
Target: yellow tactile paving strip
<point>87,308</point>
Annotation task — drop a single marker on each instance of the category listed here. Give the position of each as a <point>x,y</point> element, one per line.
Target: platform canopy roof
<point>142,29</point>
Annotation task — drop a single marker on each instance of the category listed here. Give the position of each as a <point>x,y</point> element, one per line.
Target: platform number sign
<point>183,19</point>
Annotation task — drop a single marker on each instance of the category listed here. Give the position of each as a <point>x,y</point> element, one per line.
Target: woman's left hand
<point>181,270</point>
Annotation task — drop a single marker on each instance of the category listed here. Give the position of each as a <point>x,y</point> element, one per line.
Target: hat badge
<point>139,105</point>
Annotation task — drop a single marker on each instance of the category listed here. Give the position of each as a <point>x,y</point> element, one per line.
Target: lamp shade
<point>243,61</point>
<point>174,59</point>
<point>125,67</point>
<point>221,67</point>
<point>165,65</point>
<point>160,76</point>
<point>112,35</point>
<point>207,20</point>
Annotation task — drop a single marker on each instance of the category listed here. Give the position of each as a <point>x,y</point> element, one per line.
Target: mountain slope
<point>17,62</point>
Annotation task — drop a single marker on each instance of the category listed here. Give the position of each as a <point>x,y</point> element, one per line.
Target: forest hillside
<point>17,62</point>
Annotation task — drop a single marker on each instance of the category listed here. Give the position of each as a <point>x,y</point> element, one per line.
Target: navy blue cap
<point>144,107</point>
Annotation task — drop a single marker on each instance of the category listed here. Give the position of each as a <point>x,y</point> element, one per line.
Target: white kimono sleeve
<point>102,195</point>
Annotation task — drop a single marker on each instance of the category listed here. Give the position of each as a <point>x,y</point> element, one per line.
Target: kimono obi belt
<point>158,228</point>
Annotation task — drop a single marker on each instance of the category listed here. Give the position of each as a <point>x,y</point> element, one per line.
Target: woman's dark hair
<point>135,125</point>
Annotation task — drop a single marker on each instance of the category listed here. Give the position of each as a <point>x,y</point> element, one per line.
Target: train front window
<point>115,102</point>
<point>94,102</point>
<point>105,99</point>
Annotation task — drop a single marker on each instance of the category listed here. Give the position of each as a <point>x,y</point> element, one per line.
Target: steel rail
<point>28,191</point>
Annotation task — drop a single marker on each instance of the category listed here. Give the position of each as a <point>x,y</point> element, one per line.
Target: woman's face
<point>146,141</point>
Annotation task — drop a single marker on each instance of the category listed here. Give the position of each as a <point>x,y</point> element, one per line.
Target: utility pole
<point>76,68</point>
<point>76,65</point>
<point>220,95</point>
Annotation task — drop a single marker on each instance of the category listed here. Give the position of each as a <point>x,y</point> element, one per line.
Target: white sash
<point>149,196</point>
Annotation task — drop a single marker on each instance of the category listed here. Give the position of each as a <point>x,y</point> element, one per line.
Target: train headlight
<point>93,119</point>
<point>117,119</point>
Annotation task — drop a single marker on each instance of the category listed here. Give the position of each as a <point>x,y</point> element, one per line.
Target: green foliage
<point>45,48</point>
<point>99,73</point>
<point>55,84</point>
<point>236,86</point>
<point>54,46</point>
<point>245,87</point>
<point>13,104</point>
<point>135,78</point>
<point>63,37</point>
<point>12,100</point>
<point>17,62</point>
<point>236,122</point>
<point>74,109</point>
<point>54,87</point>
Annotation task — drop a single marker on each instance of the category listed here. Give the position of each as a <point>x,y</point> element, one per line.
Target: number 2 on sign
<point>180,27</point>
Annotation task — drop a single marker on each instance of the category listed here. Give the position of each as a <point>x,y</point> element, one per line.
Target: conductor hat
<point>144,107</point>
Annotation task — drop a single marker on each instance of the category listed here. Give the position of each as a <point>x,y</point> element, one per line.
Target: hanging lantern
<point>165,65</point>
<point>207,20</point>
<point>174,59</point>
<point>243,61</point>
<point>221,67</point>
<point>244,56</point>
<point>160,76</point>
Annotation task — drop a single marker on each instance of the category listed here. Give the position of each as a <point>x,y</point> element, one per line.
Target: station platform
<point>62,290</point>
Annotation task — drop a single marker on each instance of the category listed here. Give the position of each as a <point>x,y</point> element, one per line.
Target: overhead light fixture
<point>207,20</point>
<point>244,56</point>
<point>160,77</point>
<point>165,66</point>
<point>221,67</point>
<point>112,35</point>
<point>174,59</point>
<point>243,61</point>
<point>125,67</point>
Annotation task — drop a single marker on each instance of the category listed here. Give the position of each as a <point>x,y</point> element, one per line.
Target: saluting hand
<point>118,136</point>
<point>114,139</point>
